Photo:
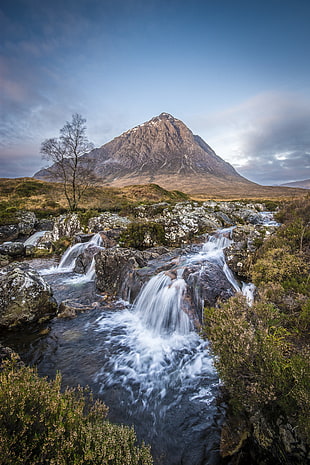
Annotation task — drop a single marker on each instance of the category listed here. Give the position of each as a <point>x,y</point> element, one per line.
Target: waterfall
<point>161,305</point>
<point>214,250</point>
<point>34,238</point>
<point>68,259</point>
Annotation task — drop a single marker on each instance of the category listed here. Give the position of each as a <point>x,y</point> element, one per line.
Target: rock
<point>186,220</point>
<point>24,296</point>
<point>64,226</point>
<point>180,223</point>
<point>207,285</point>
<point>107,221</point>
<point>12,249</point>
<point>9,232</point>
<point>114,267</point>
<point>70,309</point>
<point>29,250</point>
<point>26,223</point>
<point>4,260</point>
<point>84,260</point>
<point>44,224</point>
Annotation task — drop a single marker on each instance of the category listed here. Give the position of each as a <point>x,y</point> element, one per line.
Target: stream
<point>144,360</point>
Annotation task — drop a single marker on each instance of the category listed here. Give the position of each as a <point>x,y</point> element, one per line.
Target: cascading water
<point>68,259</point>
<point>34,238</point>
<point>159,305</point>
<point>145,361</point>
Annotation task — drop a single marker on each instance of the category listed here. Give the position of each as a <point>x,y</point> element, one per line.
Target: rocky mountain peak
<point>162,150</point>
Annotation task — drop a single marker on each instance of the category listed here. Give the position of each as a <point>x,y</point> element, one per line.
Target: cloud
<point>266,138</point>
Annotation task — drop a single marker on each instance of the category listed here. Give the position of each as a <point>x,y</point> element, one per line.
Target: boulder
<point>84,260</point>
<point>115,266</point>
<point>107,221</point>
<point>64,226</point>
<point>186,220</point>
<point>9,232</point>
<point>71,308</point>
<point>12,249</point>
<point>24,296</point>
<point>207,285</point>
<point>26,223</point>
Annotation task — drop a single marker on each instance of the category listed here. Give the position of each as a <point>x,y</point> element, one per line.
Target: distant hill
<point>305,184</point>
<point>164,151</point>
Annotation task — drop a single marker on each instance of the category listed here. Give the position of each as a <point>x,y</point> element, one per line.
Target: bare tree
<point>69,165</point>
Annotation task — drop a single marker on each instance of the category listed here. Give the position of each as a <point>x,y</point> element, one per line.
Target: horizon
<point>235,74</point>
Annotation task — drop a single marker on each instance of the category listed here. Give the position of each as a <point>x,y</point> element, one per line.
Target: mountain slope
<point>163,145</point>
<point>305,184</point>
<point>166,152</point>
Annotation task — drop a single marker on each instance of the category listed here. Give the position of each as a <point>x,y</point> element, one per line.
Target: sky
<point>237,73</point>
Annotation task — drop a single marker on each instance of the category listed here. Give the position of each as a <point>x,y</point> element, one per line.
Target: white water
<point>156,370</point>
<point>153,349</point>
<point>68,260</point>
<point>160,305</point>
<point>33,240</point>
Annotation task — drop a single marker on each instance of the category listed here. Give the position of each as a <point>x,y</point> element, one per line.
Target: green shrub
<point>280,266</point>
<point>84,216</point>
<point>39,425</point>
<point>257,362</point>
<point>143,235</point>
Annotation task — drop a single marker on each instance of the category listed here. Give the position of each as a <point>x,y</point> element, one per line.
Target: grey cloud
<point>272,171</point>
<point>266,138</point>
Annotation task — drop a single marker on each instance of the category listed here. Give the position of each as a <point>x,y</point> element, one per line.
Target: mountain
<point>164,151</point>
<point>305,184</point>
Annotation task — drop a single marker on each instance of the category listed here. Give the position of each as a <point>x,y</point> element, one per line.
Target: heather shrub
<point>39,425</point>
<point>280,266</point>
<point>256,360</point>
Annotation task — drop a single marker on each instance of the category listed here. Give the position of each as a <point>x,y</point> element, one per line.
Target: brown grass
<point>33,194</point>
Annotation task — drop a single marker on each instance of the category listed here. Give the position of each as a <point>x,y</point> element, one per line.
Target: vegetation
<point>143,235</point>
<point>262,351</point>
<point>39,424</point>
<point>47,198</point>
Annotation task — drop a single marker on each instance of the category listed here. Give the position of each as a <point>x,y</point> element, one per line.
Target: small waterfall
<point>248,290</point>
<point>214,250</point>
<point>68,259</point>
<point>161,305</point>
<point>34,239</point>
